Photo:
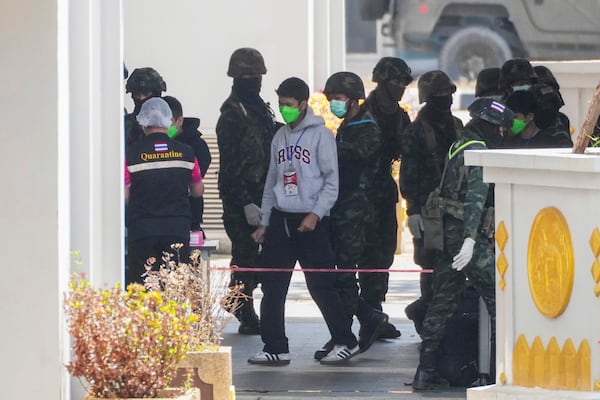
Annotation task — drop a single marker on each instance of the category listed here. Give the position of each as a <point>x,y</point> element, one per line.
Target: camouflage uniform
<point>244,137</point>
<point>425,143</point>
<point>358,144</point>
<point>391,75</point>
<point>466,203</point>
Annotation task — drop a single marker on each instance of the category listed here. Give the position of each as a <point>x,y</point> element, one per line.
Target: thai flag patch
<point>497,106</point>
<point>160,147</point>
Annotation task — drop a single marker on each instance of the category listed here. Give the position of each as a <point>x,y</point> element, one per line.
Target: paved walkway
<point>380,373</point>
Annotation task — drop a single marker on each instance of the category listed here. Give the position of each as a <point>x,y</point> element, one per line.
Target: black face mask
<point>395,91</point>
<point>545,117</point>
<point>248,87</point>
<point>440,103</point>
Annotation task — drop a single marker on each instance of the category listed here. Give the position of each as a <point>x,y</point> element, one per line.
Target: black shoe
<point>249,328</point>
<point>429,379</point>
<point>323,351</point>
<point>389,331</point>
<point>371,329</point>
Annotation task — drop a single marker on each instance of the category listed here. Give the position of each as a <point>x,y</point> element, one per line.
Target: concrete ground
<point>383,372</point>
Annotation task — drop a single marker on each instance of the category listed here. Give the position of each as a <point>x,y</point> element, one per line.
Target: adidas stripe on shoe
<point>264,358</point>
<point>340,355</point>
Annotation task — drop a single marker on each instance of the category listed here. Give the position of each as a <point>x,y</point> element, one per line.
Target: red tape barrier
<point>238,269</point>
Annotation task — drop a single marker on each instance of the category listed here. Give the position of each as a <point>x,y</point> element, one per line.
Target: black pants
<point>140,250</point>
<point>283,246</point>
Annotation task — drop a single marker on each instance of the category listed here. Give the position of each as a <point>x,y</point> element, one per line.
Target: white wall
<point>189,44</point>
<point>33,217</point>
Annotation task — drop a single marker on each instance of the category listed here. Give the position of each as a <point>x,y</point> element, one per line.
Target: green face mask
<point>172,131</point>
<point>289,114</point>
<point>518,126</point>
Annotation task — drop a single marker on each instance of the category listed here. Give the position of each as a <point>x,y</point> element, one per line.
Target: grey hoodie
<point>314,158</point>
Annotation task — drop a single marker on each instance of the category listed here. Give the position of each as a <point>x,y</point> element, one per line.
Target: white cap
<point>155,112</point>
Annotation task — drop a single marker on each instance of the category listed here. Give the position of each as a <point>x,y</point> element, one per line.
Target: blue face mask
<point>338,108</point>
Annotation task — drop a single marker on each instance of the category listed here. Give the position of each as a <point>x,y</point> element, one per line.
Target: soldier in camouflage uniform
<point>358,142</point>
<point>143,83</point>
<point>466,210</point>
<point>392,75</point>
<point>244,133</point>
<point>425,143</point>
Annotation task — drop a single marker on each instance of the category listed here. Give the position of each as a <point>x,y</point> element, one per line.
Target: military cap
<point>515,70</point>
<point>246,61</point>
<point>388,68</point>
<point>492,111</point>
<point>545,76</point>
<point>145,80</point>
<point>346,83</point>
<point>434,83</point>
<point>487,82</point>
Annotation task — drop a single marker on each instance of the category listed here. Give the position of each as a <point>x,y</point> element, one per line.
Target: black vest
<point>161,171</point>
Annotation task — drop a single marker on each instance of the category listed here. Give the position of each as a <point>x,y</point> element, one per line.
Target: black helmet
<point>487,82</point>
<point>346,83</point>
<point>545,76</point>
<point>515,70</point>
<point>434,83</point>
<point>546,96</point>
<point>389,68</point>
<point>492,111</point>
<point>145,80</point>
<point>246,61</point>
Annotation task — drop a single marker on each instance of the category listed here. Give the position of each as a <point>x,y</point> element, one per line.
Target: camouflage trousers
<point>244,251</point>
<point>448,284</point>
<point>352,225</point>
<point>381,241</point>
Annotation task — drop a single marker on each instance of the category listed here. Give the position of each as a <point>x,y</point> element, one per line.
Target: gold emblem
<point>550,262</point>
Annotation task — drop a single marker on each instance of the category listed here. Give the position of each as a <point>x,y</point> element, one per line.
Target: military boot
<point>427,376</point>
<point>249,321</point>
<point>371,324</point>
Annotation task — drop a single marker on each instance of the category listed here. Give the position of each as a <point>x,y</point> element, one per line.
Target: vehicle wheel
<point>472,49</point>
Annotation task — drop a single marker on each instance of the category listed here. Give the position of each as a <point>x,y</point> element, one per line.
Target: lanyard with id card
<point>290,176</point>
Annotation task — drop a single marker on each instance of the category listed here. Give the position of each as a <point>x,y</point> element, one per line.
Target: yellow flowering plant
<point>125,343</point>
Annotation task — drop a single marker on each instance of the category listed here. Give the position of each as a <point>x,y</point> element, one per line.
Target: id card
<point>290,183</point>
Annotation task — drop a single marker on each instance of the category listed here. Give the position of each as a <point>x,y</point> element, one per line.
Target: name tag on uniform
<point>290,183</point>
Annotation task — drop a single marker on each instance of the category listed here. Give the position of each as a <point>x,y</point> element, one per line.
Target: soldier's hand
<point>465,254</point>
<point>259,235</point>
<point>253,214</point>
<point>308,223</point>
<point>415,225</point>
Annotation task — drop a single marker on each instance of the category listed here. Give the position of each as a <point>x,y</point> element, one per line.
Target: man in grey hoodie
<point>300,189</point>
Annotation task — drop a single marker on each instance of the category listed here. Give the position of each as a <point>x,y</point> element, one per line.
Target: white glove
<point>415,225</point>
<point>253,214</point>
<point>464,255</point>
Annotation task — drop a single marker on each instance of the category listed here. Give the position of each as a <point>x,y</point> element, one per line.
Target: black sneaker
<point>429,379</point>
<point>389,331</point>
<point>323,351</point>
<point>371,329</point>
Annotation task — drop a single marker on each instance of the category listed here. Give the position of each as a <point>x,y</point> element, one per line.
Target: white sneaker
<point>264,358</point>
<point>340,355</point>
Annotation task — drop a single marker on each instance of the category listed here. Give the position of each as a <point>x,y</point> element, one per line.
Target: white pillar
<point>327,40</point>
<point>62,137</point>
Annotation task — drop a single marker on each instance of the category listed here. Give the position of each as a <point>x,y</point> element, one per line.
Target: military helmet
<point>487,82</point>
<point>546,96</point>
<point>514,70</point>
<point>145,80</point>
<point>346,83</point>
<point>492,111</point>
<point>389,68</point>
<point>545,76</point>
<point>434,83</point>
<point>246,61</point>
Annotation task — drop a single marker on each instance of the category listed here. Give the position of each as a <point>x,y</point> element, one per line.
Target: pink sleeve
<point>196,175</point>
<point>127,176</point>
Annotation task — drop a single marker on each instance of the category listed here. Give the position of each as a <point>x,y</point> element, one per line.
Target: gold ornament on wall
<point>502,263</point>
